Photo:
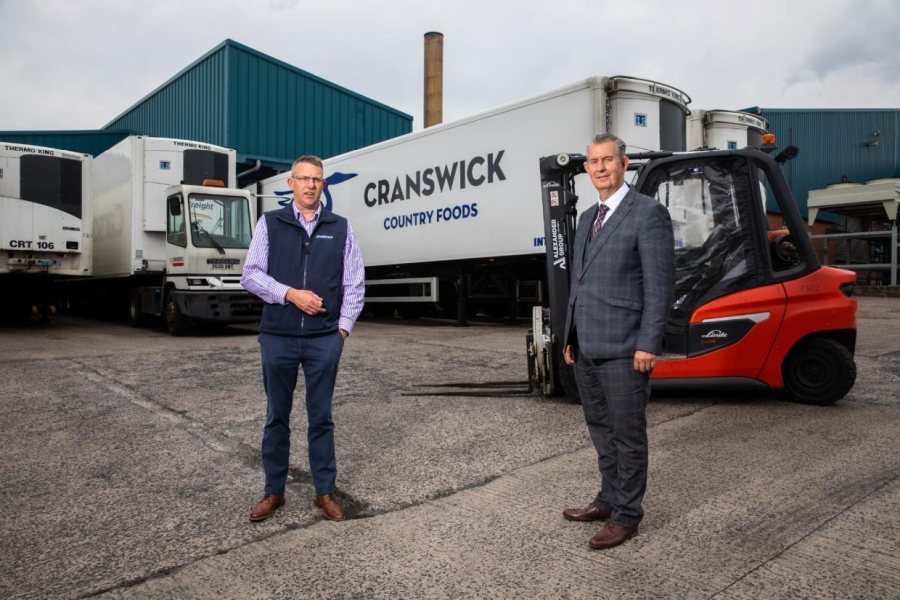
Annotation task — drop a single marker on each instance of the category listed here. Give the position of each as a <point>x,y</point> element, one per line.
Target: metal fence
<point>874,265</point>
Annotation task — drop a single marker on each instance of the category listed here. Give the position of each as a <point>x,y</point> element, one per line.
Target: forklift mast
<point>559,201</point>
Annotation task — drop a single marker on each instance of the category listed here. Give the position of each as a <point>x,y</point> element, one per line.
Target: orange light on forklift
<point>768,139</point>
<point>214,183</point>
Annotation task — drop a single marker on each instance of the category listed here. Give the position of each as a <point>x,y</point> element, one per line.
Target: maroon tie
<point>598,222</point>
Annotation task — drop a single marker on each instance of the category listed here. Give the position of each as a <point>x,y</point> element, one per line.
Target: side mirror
<point>174,206</point>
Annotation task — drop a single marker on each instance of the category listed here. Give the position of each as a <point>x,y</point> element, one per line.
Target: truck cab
<point>208,231</point>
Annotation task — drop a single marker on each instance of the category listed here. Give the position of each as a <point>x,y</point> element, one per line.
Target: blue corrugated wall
<point>835,144</point>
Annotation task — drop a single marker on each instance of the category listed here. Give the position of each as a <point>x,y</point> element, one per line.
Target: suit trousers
<point>614,399</point>
<point>282,357</point>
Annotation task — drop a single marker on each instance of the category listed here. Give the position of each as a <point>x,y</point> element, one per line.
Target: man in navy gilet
<point>305,264</point>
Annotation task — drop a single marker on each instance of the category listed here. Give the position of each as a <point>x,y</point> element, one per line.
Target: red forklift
<point>753,309</point>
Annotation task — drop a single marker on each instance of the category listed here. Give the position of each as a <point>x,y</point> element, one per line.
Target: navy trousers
<point>282,357</point>
<point>614,399</point>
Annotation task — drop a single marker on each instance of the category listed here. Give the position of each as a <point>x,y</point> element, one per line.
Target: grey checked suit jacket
<point>622,282</point>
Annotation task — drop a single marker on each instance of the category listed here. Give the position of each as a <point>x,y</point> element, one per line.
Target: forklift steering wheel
<point>785,252</point>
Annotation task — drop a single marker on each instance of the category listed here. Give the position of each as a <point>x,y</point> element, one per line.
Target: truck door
<point>717,204</point>
<point>176,234</point>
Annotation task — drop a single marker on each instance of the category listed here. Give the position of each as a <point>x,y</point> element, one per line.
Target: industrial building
<point>235,96</point>
<point>836,146</point>
<point>851,157</point>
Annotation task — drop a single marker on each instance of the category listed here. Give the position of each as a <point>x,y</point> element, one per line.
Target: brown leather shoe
<point>266,507</point>
<point>331,508</point>
<point>612,534</point>
<point>588,513</point>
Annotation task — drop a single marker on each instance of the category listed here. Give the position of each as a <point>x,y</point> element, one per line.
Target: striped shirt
<point>257,281</point>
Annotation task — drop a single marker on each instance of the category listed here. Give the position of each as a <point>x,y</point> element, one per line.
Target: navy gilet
<point>315,264</point>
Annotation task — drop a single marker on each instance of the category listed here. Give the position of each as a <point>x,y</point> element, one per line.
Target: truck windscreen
<point>219,221</point>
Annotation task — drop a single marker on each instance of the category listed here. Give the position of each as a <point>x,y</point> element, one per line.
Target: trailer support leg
<point>462,292</point>
<point>512,318</point>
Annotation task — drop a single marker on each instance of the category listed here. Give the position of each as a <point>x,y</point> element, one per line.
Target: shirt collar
<point>299,216</point>
<point>613,201</point>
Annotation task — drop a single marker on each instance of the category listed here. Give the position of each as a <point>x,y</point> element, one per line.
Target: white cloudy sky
<point>76,64</point>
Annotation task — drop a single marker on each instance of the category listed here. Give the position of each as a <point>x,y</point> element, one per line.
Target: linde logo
<point>714,334</point>
<point>472,172</point>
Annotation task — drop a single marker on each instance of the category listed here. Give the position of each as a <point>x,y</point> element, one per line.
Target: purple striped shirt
<point>257,281</point>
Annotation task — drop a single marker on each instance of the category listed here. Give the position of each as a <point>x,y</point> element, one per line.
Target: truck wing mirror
<point>174,206</point>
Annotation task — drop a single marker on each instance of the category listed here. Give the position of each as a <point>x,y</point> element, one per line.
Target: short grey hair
<point>602,138</point>
<point>310,159</point>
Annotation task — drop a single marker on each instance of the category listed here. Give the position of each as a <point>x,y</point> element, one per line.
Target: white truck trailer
<point>448,217</point>
<point>170,236</point>
<point>45,222</point>
<point>725,130</point>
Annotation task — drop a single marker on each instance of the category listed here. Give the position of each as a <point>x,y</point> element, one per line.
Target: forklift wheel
<point>819,371</point>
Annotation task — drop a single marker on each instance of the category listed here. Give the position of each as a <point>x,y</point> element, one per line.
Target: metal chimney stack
<point>434,78</point>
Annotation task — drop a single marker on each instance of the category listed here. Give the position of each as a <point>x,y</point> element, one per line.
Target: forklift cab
<point>722,240</point>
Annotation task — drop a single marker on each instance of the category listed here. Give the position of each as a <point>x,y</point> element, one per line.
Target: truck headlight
<point>197,281</point>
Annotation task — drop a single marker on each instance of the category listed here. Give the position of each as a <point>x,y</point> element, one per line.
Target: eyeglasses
<point>304,179</point>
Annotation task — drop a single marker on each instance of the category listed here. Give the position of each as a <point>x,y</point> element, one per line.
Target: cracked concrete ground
<point>130,461</point>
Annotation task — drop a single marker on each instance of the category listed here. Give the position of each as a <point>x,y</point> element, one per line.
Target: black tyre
<point>176,322</point>
<point>134,315</point>
<point>819,371</point>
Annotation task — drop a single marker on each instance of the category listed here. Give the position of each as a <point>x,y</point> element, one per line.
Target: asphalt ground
<point>130,460</point>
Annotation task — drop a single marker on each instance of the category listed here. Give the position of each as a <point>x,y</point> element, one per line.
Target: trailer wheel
<point>135,316</point>
<point>819,371</point>
<point>176,322</point>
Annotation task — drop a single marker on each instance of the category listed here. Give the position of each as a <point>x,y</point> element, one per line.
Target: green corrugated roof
<point>263,107</point>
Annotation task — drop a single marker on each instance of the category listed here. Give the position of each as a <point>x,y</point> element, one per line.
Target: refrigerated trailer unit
<point>725,130</point>
<point>447,216</point>
<point>170,236</point>
<point>45,221</point>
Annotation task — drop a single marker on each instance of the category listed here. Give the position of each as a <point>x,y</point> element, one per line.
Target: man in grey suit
<point>623,274</point>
